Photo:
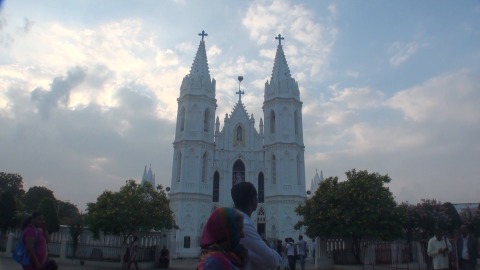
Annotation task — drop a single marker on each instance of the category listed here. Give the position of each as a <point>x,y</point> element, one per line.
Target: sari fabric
<point>220,241</point>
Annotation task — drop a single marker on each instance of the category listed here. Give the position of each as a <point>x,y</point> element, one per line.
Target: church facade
<point>210,157</point>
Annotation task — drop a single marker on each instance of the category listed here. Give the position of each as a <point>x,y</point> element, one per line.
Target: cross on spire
<point>240,92</point>
<point>203,34</point>
<point>280,38</point>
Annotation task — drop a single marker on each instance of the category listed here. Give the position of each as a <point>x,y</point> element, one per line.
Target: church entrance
<point>238,174</point>
<point>261,217</point>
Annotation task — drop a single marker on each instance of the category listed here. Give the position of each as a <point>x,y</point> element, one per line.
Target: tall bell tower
<point>193,150</point>
<point>283,144</point>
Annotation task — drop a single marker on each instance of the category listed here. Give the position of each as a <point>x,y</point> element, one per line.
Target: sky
<point>88,89</point>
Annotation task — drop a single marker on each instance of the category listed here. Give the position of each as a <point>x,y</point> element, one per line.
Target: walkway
<point>7,263</point>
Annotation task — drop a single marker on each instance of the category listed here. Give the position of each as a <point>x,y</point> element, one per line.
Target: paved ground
<point>7,263</point>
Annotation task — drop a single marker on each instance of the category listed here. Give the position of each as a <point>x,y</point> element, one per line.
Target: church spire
<point>198,80</point>
<point>280,65</point>
<point>281,83</point>
<point>200,63</point>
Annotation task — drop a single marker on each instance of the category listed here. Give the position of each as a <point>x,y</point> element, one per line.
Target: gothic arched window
<point>272,122</point>
<point>216,187</point>
<point>204,167</point>
<point>274,170</point>
<point>182,119</point>
<point>261,188</point>
<point>179,165</point>
<point>206,120</point>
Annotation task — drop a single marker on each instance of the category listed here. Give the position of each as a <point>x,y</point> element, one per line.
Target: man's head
<point>438,233</point>
<point>300,237</point>
<point>464,230</point>
<point>244,196</point>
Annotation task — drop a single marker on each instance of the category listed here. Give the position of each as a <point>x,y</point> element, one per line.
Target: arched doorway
<point>238,174</point>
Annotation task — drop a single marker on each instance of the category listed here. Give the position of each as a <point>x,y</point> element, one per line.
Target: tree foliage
<point>12,183</point>
<point>471,217</point>
<point>134,208</point>
<point>48,209</point>
<point>67,212</point>
<point>454,220</point>
<point>35,195</point>
<point>356,208</point>
<point>424,217</point>
<point>8,211</point>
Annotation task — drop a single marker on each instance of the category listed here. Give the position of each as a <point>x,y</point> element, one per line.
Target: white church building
<point>210,157</point>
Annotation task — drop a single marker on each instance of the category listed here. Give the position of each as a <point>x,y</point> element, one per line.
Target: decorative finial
<point>240,92</point>
<point>280,38</point>
<point>203,34</point>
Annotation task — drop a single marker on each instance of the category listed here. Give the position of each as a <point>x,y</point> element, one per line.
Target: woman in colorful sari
<point>220,241</point>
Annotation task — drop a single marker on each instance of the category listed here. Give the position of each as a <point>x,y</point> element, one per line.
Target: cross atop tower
<point>240,92</point>
<point>203,34</point>
<point>280,38</point>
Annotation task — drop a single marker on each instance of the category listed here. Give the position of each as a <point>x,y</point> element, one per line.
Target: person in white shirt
<point>302,251</point>
<point>438,248</point>
<point>292,260</point>
<point>260,255</point>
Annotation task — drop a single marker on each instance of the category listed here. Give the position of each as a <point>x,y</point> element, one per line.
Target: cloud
<point>59,92</point>
<point>448,98</point>
<point>90,143</point>
<point>6,39</point>
<point>357,98</point>
<point>400,51</point>
<point>307,38</point>
<point>411,135</point>
<point>28,24</point>
<point>166,58</point>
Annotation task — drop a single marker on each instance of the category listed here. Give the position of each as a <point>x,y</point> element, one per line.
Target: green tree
<point>359,207</point>
<point>471,217</point>
<point>13,183</point>
<point>67,211</point>
<point>134,208</point>
<point>424,217</point>
<point>8,211</point>
<point>35,195</point>
<point>431,214</point>
<point>455,221</point>
<point>48,209</point>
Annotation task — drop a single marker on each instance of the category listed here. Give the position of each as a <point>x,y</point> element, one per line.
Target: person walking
<point>133,247</point>
<point>292,260</point>
<point>438,248</point>
<point>467,249</point>
<point>35,238</point>
<point>302,251</point>
<point>260,255</point>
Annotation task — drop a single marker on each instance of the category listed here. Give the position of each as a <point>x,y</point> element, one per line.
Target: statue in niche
<point>239,134</point>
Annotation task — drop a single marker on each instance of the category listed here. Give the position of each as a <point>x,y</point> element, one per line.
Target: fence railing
<point>3,243</point>
<point>107,248</point>
<point>398,254</point>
